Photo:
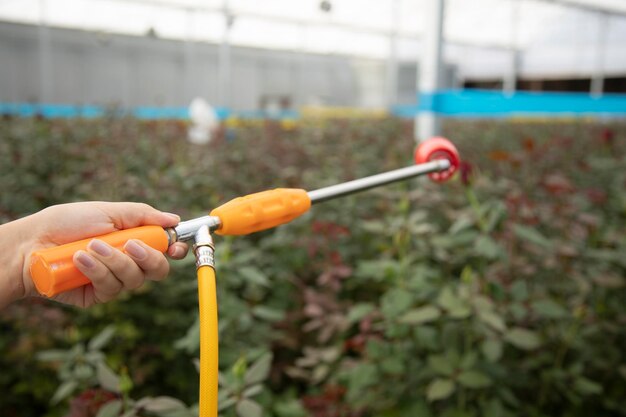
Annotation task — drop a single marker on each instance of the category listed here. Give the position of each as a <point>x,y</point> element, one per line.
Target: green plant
<point>498,294</point>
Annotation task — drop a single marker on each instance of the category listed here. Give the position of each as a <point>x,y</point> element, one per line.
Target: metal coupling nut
<point>205,256</point>
<point>203,248</point>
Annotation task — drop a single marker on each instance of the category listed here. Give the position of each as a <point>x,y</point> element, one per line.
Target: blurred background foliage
<point>498,294</point>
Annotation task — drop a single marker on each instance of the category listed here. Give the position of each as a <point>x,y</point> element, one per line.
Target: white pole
<point>427,124</point>
<point>224,60</point>
<point>597,80</point>
<point>188,82</point>
<point>392,62</point>
<point>44,54</point>
<point>510,80</point>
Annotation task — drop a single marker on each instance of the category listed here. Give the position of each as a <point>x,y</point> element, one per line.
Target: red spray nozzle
<point>438,148</point>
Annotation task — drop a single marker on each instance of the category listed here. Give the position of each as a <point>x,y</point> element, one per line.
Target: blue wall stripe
<point>486,103</point>
<point>453,103</point>
<point>144,112</point>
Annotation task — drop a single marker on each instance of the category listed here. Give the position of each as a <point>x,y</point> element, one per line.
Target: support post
<point>597,79</point>
<point>223,87</point>
<point>44,44</point>
<point>427,123</point>
<point>510,80</point>
<point>392,62</point>
<point>188,58</point>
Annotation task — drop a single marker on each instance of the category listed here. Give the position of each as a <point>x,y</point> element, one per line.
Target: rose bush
<point>500,293</point>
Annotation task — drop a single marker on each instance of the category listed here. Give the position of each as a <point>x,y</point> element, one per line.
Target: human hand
<point>110,270</point>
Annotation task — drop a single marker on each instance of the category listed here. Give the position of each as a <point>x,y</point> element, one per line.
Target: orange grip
<point>260,211</point>
<point>53,270</point>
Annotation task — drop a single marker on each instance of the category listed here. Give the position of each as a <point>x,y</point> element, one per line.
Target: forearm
<point>13,252</point>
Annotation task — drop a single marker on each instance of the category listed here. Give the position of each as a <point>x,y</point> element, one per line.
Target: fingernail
<point>135,250</point>
<point>178,252</point>
<point>85,260</point>
<point>173,216</point>
<point>100,247</point>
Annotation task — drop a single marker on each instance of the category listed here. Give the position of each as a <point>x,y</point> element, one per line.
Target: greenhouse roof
<point>555,37</point>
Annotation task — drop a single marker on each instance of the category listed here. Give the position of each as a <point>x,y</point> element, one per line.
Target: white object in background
<point>204,121</point>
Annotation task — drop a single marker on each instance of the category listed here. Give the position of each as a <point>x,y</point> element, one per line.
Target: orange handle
<point>53,270</point>
<point>260,211</point>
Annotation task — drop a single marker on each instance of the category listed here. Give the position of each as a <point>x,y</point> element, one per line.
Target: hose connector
<point>204,248</point>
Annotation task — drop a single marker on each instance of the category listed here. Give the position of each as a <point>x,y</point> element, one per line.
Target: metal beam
<point>587,7</point>
<point>309,22</point>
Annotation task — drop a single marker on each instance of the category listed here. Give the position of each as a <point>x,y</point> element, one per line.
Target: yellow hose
<point>207,299</point>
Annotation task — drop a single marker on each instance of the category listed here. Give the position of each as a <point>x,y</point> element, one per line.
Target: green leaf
<point>518,310</point>
<point>110,409</point>
<point>378,270</point>
<point>358,311</point>
<point>363,375</point>
<point>107,378</point>
<point>393,365</point>
<point>130,413</point>
<point>319,373</point>
<point>455,306</point>
<point>531,235</point>
<point>493,320</point>
<point>421,315</point>
<point>494,408</point>
<point>519,291</point>
<point>460,224</point>
<point>248,408</point>
<point>469,360</point>
<point>94,357</point>
<point>252,391</point>
<point>482,303</point>
<point>523,338</point>
<point>375,226</point>
<point>427,337</point>
<point>259,370</point>
<point>462,239</point>
<point>224,400</point>
<point>267,313</point>
<point>395,302</point>
<point>460,312</point>
<point>290,408</point>
<point>330,354</point>
<point>254,276</point>
<point>240,367</point>
<point>439,389</point>
<point>102,338</point>
<point>441,364</point>
<point>163,405</point>
<point>191,341</point>
<point>496,214</point>
<point>63,391</point>
<point>126,384</point>
<point>447,300</point>
<point>549,309</point>
<point>54,355</point>
<point>492,349</point>
<point>586,386</point>
<point>486,247</point>
<point>474,379</point>
<point>83,371</point>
